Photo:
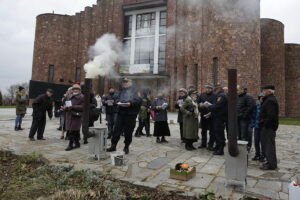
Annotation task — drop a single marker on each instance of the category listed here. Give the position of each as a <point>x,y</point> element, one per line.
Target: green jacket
<point>21,103</point>
<point>143,113</point>
<point>190,119</point>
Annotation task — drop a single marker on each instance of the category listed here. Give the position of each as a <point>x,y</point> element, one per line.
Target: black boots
<point>163,140</point>
<point>16,128</point>
<point>219,151</point>
<point>112,148</point>
<point>77,144</point>
<point>70,147</point>
<point>126,149</point>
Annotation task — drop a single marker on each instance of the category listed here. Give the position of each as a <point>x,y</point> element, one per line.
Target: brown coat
<point>21,103</point>
<point>73,123</point>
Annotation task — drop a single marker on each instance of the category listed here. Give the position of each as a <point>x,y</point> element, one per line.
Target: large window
<point>50,73</point>
<point>144,41</point>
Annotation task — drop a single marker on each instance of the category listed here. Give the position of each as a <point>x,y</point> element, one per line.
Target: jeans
<point>257,142</point>
<point>111,121</point>
<point>18,121</point>
<point>243,129</point>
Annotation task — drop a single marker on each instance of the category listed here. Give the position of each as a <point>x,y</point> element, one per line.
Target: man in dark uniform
<point>41,105</point>
<point>183,93</point>
<point>111,109</point>
<point>219,112</point>
<point>129,103</point>
<point>206,120</point>
<point>269,124</point>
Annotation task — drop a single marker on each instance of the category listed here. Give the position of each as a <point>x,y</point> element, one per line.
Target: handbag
<point>76,113</point>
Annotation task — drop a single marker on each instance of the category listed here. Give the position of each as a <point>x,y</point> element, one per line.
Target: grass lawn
<point>7,107</point>
<point>290,121</point>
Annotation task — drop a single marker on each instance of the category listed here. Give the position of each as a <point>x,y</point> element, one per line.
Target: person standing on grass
<point>161,127</point>
<point>21,106</point>
<point>41,105</point>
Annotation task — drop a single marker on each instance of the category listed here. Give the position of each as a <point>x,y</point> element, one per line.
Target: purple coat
<point>73,123</point>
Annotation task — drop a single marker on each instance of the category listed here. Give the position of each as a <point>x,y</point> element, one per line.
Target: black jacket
<point>129,95</point>
<point>220,108</point>
<point>41,105</point>
<point>245,106</point>
<point>269,113</point>
<point>211,98</point>
<point>180,114</point>
<point>110,103</point>
<point>161,115</point>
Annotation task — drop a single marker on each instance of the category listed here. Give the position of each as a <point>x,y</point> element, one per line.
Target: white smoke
<point>104,55</point>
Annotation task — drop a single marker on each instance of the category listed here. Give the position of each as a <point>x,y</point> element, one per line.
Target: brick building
<point>174,44</point>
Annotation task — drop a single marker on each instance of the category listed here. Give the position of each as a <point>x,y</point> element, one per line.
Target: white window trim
<point>156,36</point>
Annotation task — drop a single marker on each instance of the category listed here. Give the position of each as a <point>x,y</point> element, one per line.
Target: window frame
<point>156,35</point>
<point>51,72</point>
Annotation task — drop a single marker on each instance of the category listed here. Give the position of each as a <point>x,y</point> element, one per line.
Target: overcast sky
<point>17,28</point>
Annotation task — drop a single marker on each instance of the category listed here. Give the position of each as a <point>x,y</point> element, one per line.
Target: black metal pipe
<point>86,108</point>
<point>232,113</point>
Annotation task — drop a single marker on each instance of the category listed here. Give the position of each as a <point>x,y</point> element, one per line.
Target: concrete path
<point>149,163</point>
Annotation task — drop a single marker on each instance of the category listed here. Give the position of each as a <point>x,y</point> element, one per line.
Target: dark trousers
<point>143,123</point>
<point>124,123</point>
<point>111,120</point>
<point>218,130</point>
<point>257,143</point>
<point>181,130</point>
<point>38,125</point>
<point>243,129</point>
<point>206,125</point>
<point>74,136</point>
<point>250,136</point>
<point>269,146</point>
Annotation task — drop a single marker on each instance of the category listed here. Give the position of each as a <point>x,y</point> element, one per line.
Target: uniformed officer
<point>129,103</point>
<point>219,112</point>
<point>206,119</point>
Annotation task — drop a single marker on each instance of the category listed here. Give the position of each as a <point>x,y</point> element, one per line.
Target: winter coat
<point>269,115</point>
<point>245,106</point>
<point>220,108</point>
<point>211,98</point>
<point>73,122</point>
<point>21,103</point>
<point>110,103</point>
<point>129,95</point>
<point>144,111</point>
<point>178,105</point>
<point>160,115</point>
<point>190,119</point>
<point>41,105</point>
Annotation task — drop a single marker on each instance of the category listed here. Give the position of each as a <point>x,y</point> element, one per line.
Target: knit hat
<point>21,88</point>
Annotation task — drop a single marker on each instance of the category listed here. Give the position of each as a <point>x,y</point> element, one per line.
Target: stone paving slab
<point>149,163</point>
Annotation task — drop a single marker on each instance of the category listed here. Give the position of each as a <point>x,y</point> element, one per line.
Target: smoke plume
<point>104,55</point>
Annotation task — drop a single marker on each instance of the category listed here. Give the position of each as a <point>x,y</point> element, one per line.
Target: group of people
<point>124,107</point>
<point>260,117</point>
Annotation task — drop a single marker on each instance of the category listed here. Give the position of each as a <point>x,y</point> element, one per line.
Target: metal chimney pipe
<point>86,107</point>
<point>232,113</point>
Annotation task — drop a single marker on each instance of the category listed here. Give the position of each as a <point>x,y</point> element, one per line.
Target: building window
<point>50,73</point>
<point>77,74</point>
<point>215,70</point>
<point>145,41</point>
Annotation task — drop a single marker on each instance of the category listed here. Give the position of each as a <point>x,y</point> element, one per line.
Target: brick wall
<point>272,60</point>
<point>292,66</point>
<point>197,33</point>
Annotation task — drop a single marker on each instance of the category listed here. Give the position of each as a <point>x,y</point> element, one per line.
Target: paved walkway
<point>149,163</point>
